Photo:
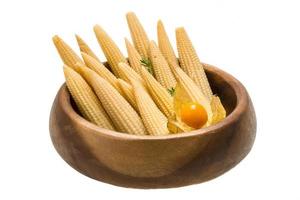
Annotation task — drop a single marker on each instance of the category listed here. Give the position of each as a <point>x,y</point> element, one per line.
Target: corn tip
<point>130,14</point>
<point>78,38</point>
<point>127,42</point>
<point>160,25</point>
<point>180,29</point>
<point>56,39</point>
<point>98,30</point>
<point>68,70</point>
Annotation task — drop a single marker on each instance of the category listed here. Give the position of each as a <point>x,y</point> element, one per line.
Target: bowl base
<point>209,164</point>
<point>188,175</point>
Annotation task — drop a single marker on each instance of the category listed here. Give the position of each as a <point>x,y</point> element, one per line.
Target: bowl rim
<point>241,104</point>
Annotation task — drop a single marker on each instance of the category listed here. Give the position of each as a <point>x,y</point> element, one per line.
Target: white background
<point>256,41</point>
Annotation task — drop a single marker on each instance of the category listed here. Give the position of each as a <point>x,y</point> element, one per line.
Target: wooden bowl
<point>157,161</point>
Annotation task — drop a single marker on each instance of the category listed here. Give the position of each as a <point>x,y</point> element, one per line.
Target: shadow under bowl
<point>157,161</point>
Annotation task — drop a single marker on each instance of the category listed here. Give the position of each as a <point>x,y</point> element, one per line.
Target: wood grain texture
<point>157,161</point>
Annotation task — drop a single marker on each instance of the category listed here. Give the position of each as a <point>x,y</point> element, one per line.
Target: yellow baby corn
<point>154,121</point>
<point>128,93</point>
<point>101,70</point>
<point>124,117</point>
<point>161,68</point>
<point>86,100</point>
<point>133,56</point>
<point>193,92</point>
<point>67,54</point>
<point>158,93</point>
<point>164,45</point>
<point>190,62</point>
<point>85,48</point>
<point>138,34</point>
<point>127,73</point>
<point>111,51</point>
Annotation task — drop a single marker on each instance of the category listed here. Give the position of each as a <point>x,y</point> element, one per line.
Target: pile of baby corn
<point>139,95</point>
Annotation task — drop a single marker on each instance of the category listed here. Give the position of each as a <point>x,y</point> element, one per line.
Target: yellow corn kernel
<point>124,117</point>
<point>161,68</point>
<point>133,56</point>
<point>85,48</point>
<point>158,93</point>
<point>86,100</point>
<point>127,73</point>
<point>138,34</point>
<point>101,70</point>
<point>192,91</point>
<point>66,53</point>
<point>128,93</point>
<point>154,121</point>
<point>164,45</point>
<point>190,62</point>
<point>111,51</point>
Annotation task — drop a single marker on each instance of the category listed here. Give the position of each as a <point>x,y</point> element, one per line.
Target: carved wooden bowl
<point>157,161</point>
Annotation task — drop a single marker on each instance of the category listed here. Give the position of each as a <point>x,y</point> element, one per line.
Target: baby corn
<point>67,54</point>
<point>86,100</point>
<point>161,68</point>
<point>190,62</point>
<point>158,93</point>
<point>101,70</point>
<point>111,51</point>
<point>85,48</point>
<point>133,56</point>
<point>138,34</point>
<point>154,121</point>
<point>124,117</point>
<point>128,93</point>
<point>165,46</point>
